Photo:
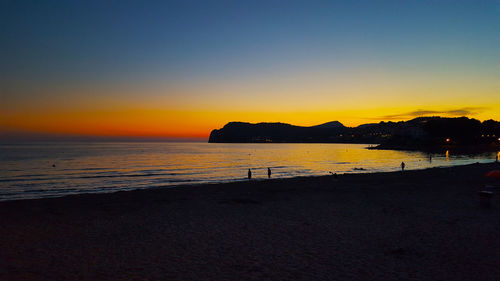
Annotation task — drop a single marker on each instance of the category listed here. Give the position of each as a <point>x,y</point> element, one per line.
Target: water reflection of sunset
<point>105,167</point>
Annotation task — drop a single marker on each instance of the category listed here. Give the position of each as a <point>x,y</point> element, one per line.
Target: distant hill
<point>275,132</point>
<point>418,133</point>
<point>333,124</point>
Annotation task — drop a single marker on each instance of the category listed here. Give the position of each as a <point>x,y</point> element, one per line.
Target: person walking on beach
<point>402,166</point>
<point>249,174</point>
<point>269,172</point>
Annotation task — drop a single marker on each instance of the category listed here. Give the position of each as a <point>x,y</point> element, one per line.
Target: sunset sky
<point>182,68</point>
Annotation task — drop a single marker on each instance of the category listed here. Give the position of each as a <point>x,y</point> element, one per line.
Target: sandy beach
<point>416,225</point>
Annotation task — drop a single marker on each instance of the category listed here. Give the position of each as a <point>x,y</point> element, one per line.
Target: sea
<point>38,170</point>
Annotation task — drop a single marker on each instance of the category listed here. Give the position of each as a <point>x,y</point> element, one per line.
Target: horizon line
<point>30,136</point>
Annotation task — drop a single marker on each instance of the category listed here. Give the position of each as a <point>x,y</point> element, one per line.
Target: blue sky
<point>51,50</point>
<point>90,38</point>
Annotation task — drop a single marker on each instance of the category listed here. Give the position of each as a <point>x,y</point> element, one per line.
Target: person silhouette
<point>249,174</point>
<point>402,166</point>
<point>269,172</point>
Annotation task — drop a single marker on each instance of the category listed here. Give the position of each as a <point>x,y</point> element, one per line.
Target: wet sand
<point>419,225</point>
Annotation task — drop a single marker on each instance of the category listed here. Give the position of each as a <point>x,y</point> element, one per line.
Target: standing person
<point>269,172</point>
<point>402,166</point>
<point>249,174</point>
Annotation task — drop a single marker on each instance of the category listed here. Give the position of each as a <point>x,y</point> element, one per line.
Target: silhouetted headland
<point>460,134</point>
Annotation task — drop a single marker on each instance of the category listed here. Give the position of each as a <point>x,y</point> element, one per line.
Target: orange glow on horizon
<point>130,122</point>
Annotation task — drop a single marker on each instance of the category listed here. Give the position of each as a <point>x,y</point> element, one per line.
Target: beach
<point>417,225</point>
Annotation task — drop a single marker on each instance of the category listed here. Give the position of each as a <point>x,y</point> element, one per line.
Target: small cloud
<point>449,113</point>
<point>461,112</point>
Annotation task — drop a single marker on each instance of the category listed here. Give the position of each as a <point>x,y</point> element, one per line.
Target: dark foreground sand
<point>422,225</point>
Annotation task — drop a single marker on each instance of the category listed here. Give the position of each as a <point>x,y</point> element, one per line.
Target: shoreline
<point>235,181</point>
<point>457,149</point>
<point>418,225</point>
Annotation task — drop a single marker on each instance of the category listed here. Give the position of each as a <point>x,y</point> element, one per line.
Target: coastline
<point>457,149</point>
<point>421,224</point>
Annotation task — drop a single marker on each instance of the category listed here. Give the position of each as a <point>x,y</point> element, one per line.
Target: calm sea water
<point>27,171</point>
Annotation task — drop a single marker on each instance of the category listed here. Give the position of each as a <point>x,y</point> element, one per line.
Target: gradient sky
<point>182,68</point>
